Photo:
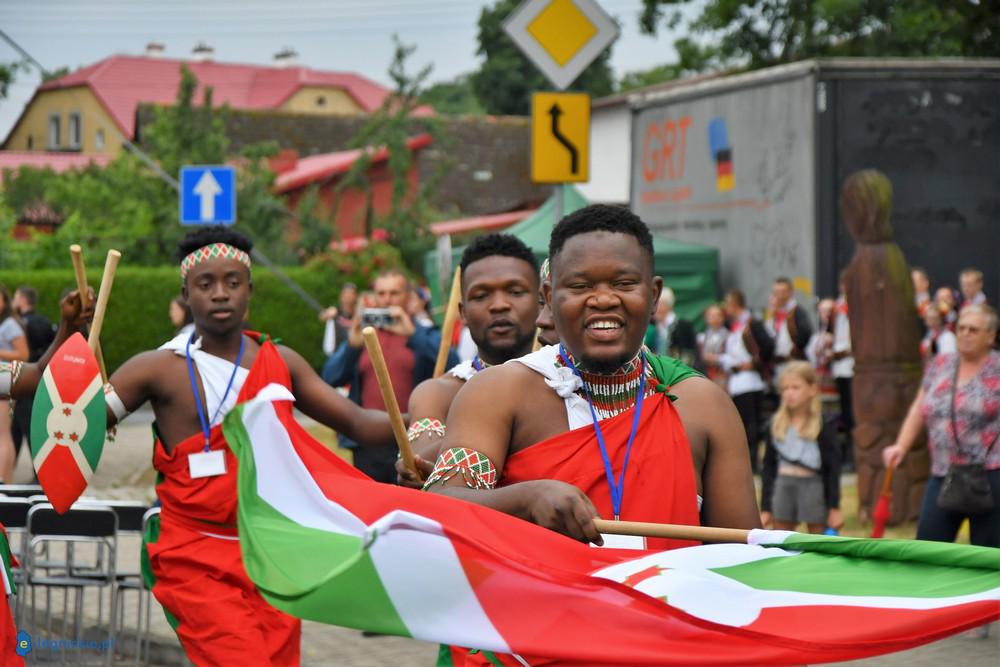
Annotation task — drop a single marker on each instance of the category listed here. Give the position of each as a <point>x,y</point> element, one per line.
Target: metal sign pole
<point>557,196</point>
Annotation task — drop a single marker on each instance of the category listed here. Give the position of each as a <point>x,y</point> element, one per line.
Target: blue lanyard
<point>197,396</point>
<point>617,489</point>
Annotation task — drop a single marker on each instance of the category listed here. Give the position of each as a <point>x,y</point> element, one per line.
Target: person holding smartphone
<point>410,350</point>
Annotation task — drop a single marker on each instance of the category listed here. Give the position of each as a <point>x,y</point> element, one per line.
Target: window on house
<point>73,129</point>
<point>55,138</point>
<point>99,139</point>
<point>31,142</point>
<point>321,101</point>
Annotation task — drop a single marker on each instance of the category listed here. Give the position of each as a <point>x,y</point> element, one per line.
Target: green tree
<point>8,72</point>
<point>52,75</point>
<point>760,33</point>
<point>390,127</point>
<point>186,133</point>
<point>453,98</point>
<point>260,214</point>
<point>316,230</point>
<point>648,77</point>
<point>506,79</point>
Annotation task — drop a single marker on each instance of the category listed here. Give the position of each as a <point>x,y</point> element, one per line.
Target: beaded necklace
<point>479,365</point>
<point>612,393</point>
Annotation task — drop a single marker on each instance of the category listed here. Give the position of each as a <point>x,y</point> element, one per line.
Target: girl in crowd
<point>801,471</point>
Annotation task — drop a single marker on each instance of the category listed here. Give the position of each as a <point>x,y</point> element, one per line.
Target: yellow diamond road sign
<point>561,37</point>
<point>560,137</point>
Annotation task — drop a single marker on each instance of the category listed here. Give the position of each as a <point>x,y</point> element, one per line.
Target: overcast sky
<point>348,35</point>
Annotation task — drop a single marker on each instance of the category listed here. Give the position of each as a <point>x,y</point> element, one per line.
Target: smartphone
<point>380,318</point>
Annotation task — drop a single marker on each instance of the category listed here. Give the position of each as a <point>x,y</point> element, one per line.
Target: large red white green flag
<point>68,423</point>
<point>323,542</point>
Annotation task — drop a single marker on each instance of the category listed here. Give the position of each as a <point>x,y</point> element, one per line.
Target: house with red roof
<point>91,109</point>
<point>350,209</point>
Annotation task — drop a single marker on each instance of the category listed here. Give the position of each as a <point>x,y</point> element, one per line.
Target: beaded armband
<point>477,471</point>
<point>425,425</point>
<point>10,373</point>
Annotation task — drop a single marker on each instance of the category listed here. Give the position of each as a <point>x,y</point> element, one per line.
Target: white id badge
<point>622,542</point>
<point>207,464</point>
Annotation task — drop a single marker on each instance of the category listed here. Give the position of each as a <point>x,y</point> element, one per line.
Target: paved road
<point>126,473</point>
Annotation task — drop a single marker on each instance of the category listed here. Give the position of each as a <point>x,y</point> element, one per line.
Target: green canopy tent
<point>691,270</point>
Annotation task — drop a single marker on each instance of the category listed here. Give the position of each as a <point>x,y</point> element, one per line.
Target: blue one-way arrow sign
<point>208,195</point>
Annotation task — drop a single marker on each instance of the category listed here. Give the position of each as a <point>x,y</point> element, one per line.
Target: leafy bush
<point>358,266</point>
<point>137,312</point>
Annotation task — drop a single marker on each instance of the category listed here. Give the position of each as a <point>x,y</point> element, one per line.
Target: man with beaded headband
<point>192,554</point>
<point>598,426</point>
<point>499,306</point>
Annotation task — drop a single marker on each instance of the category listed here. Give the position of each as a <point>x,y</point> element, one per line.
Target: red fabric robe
<point>217,613</point>
<point>659,487</point>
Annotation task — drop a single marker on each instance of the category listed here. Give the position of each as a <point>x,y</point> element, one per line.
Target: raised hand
<point>71,311</point>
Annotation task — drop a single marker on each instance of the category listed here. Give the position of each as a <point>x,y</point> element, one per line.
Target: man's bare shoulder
<point>700,392</point>
<point>507,382</point>
<point>434,394</point>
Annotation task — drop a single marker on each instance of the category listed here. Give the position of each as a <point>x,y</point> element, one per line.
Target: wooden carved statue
<point>885,339</point>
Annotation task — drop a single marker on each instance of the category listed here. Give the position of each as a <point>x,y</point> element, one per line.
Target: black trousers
<point>846,417</point>
<point>941,525</point>
<point>20,424</point>
<point>748,405</point>
<point>379,463</point>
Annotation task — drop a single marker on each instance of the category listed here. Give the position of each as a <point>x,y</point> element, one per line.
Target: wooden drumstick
<point>107,280</point>
<point>448,328</point>
<point>76,254</point>
<point>672,531</point>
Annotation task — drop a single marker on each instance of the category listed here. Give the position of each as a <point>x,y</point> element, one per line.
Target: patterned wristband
<point>477,471</point>
<point>10,373</point>
<point>425,425</point>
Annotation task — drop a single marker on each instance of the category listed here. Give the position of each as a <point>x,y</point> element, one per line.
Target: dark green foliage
<point>316,228</point>
<point>648,77</point>
<point>505,81</point>
<point>187,133</point>
<point>7,73</point>
<point>760,33</point>
<point>137,312</point>
<point>57,73</point>
<point>358,266</point>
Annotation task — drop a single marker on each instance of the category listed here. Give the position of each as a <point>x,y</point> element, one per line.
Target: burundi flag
<point>321,541</point>
<point>68,423</point>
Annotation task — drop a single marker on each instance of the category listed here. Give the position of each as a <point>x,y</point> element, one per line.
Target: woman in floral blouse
<point>969,380</point>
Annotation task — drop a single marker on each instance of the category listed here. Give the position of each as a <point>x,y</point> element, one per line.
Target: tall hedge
<point>137,317</point>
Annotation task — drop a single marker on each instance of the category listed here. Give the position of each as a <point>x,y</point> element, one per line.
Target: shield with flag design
<point>68,423</point>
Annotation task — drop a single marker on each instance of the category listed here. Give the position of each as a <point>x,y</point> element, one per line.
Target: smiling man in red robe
<point>598,426</point>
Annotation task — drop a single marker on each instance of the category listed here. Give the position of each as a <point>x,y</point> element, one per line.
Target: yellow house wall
<point>93,117</point>
<point>337,101</point>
